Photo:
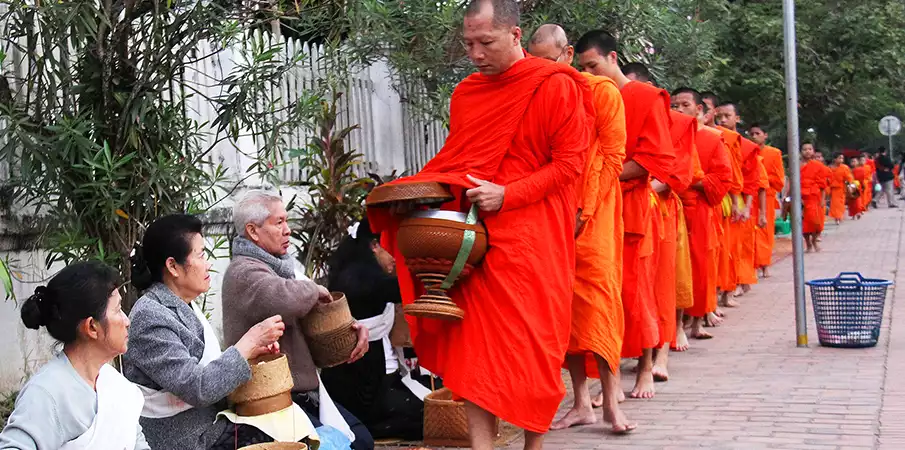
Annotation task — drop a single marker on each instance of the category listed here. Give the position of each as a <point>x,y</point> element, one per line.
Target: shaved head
<point>638,72</point>
<point>550,42</point>
<point>505,12</point>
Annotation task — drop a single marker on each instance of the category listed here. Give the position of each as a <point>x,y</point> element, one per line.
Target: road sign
<point>890,125</point>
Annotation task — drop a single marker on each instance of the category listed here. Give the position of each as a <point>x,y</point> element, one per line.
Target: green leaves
<point>6,280</point>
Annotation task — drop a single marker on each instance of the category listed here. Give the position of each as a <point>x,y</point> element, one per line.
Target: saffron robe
<point>867,193</point>
<point>744,230</point>
<point>842,176</point>
<point>684,272</point>
<point>528,130</point>
<point>755,213</point>
<point>648,143</point>
<point>669,207</point>
<point>597,317</point>
<point>776,179</point>
<point>727,274</point>
<point>813,181</point>
<point>856,205</point>
<point>704,218</point>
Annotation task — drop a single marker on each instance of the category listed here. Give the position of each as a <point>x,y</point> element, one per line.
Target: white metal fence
<point>392,135</point>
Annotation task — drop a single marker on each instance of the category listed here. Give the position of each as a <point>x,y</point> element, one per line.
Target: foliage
<point>336,191</point>
<point>7,403</point>
<point>6,280</point>
<point>99,119</point>
<point>850,66</point>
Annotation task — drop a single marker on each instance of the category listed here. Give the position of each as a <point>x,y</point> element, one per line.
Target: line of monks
<point>647,209</point>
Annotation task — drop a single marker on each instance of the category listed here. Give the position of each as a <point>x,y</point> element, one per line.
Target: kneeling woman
<point>77,401</point>
<point>377,389</point>
<point>175,356</point>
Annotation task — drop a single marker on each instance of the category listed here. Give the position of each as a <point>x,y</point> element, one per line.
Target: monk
<point>743,228</point>
<point>703,212</point>
<point>649,158</point>
<point>813,183</point>
<point>776,179</point>
<point>669,288</point>
<point>842,178</point>
<point>730,209</point>
<point>870,169</point>
<point>598,323</point>
<point>519,135</point>
<point>855,207</point>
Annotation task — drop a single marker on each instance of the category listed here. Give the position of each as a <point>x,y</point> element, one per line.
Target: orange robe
<point>727,278</point>
<point>528,130</point>
<point>665,227</point>
<point>597,318</point>
<point>744,230</point>
<point>704,216</point>
<point>776,179</point>
<point>813,181</point>
<point>867,194</point>
<point>896,182</point>
<point>842,175</point>
<point>855,205</point>
<point>684,271</point>
<point>649,144</point>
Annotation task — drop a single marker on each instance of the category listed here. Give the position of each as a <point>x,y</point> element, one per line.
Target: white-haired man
<point>260,281</point>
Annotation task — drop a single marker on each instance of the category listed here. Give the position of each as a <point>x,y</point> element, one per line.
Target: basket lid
<point>422,193</point>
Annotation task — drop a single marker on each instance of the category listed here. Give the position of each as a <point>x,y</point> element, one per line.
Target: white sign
<point>890,126</point>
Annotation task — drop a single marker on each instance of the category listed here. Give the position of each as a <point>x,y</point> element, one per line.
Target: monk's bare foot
<point>742,290</point>
<point>620,396</point>
<point>730,303</point>
<point>597,401</point>
<point>575,417</point>
<point>765,272</point>
<point>817,247</point>
<point>614,415</point>
<point>681,340</point>
<point>712,320</point>
<point>719,313</point>
<point>701,335</point>
<point>644,386</point>
<point>659,373</point>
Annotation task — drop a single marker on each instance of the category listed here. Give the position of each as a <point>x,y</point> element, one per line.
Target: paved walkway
<point>751,387</point>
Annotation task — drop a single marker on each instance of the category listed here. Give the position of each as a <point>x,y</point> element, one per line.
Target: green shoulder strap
<point>465,250</point>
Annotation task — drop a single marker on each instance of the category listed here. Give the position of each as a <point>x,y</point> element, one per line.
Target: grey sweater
<point>166,341</point>
<point>252,292</point>
<point>55,407</point>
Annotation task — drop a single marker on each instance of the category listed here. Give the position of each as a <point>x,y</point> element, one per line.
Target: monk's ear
<point>613,58</point>
<point>570,53</point>
<point>516,35</point>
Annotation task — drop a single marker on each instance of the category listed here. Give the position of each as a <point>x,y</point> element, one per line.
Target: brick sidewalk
<point>750,387</point>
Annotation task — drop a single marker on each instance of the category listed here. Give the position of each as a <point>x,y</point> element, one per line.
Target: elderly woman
<point>260,282</point>
<point>377,388</point>
<point>77,401</point>
<point>174,356</point>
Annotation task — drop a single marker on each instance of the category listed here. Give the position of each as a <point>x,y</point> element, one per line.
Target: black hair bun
<point>33,315</point>
<point>141,274</point>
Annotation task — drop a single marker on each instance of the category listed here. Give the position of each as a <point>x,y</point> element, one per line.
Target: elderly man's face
<point>273,234</point>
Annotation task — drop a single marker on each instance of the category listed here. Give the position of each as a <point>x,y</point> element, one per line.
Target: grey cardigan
<point>166,341</point>
<point>252,292</point>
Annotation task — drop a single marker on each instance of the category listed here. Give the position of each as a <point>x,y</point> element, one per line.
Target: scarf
<point>284,266</point>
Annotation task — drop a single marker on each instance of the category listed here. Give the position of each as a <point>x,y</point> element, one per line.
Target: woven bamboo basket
<point>328,327</point>
<point>400,336</point>
<point>445,423</point>
<point>277,446</point>
<point>268,390</point>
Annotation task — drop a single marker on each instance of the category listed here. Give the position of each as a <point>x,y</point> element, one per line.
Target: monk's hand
<point>762,220</point>
<point>362,346</point>
<point>488,196</point>
<point>658,186</point>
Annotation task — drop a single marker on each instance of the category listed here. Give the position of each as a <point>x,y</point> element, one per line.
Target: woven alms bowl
<point>328,329</point>
<point>425,193</point>
<point>270,376</point>
<point>437,235</point>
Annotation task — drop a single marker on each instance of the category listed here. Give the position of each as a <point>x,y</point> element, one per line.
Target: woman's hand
<point>362,346</point>
<point>260,339</point>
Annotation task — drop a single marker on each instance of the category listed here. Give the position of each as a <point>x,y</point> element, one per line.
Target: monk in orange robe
<point>870,169</point>
<point>703,212</point>
<point>598,323</point>
<point>813,183</point>
<point>726,213</point>
<point>855,207</point>
<point>649,158</point>
<point>519,135</point>
<point>842,178</point>
<point>743,225</point>
<point>665,229</point>
<point>776,178</point>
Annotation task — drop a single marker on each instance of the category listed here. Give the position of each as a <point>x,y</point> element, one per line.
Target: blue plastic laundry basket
<point>848,309</point>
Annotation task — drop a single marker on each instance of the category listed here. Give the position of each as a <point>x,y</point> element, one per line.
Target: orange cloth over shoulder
<point>813,181</point>
<point>855,205</point>
<point>776,179</point>
<point>528,130</point>
<point>648,143</point>
<point>867,194</point>
<point>842,176</point>
<point>597,318</point>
